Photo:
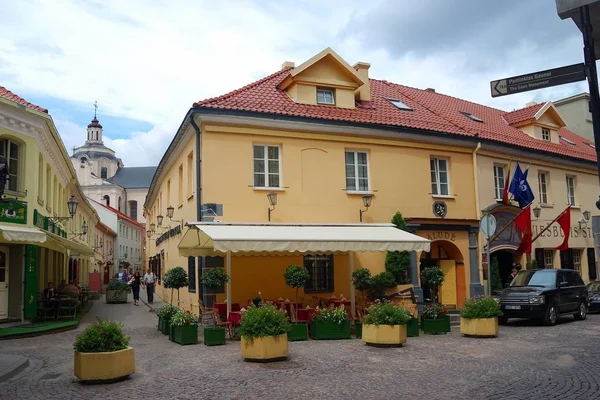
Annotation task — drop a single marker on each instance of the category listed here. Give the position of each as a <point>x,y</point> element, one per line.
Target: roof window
<point>325,96</point>
<point>566,140</point>
<point>400,105</point>
<point>471,116</point>
<point>591,145</point>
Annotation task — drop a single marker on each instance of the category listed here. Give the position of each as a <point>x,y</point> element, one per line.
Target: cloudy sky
<point>147,61</point>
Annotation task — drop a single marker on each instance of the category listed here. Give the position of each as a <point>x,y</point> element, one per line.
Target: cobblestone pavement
<point>525,362</point>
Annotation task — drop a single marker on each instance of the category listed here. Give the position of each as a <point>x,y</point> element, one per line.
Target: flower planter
<point>185,334</point>
<point>264,349</point>
<point>170,332</point>
<point>479,327</point>
<point>166,327</point>
<point>358,329</point>
<point>116,296</point>
<point>104,367</point>
<point>384,335</point>
<point>412,327</point>
<point>299,332</point>
<point>160,323</point>
<point>435,326</point>
<point>322,330</point>
<point>214,336</point>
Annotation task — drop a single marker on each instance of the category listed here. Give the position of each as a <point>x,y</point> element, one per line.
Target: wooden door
<point>448,292</point>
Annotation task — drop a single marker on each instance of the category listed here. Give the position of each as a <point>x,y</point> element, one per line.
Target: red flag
<point>506,185</point>
<point>565,223</point>
<point>523,222</point>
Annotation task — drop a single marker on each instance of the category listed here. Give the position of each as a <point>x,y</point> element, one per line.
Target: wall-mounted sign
<point>13,211</point>
<point>169,234</point>
<point>451,236</point>
<point>440,209</point>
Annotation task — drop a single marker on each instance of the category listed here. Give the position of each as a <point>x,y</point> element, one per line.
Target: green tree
<point>379,283</point>
<point>362,281</point>
<point>296,276</point>
<point>398,262</point>
<point>175,278</point>
<point>495,276</point>
<point>433,276</point>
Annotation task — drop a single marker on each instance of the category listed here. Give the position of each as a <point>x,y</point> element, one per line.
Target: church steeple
<point>94,129</point>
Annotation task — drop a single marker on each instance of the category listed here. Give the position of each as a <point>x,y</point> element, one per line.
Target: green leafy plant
<point>398,262</point>
<point>117,284</point>
<point>434,311</point>
<point>495,272</point>
<point>166,312</point>
<point>379,283</point>
<point>214,278</point>
<point>387,313</point>
<point>433,276</point>
<point>263,321</point>
<point>335,315</point>
<point>481,307</point>
<point>534,264</point>
<point>181,318</point>
<point>362,281</point>
<point>175,278</point>
<point>101,337</point>
<point>296,276</point>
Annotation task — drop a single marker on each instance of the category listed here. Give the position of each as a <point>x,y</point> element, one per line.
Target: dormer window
<point>471,116</point>
<point>325,96</point>
<point>400,105</point>
<point>545,134</point>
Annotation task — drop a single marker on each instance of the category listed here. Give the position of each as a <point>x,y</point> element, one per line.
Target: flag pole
<point>495,236</point>
<point>548,226</point>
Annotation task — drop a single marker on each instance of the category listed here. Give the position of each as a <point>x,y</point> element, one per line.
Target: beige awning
<point>22,234</point>
<point>71,245</point>
<point>206,238</point>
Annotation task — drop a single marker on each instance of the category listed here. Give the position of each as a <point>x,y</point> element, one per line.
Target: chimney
<point>432,90</point>
<point>288,64</point>
<point>531,103</point>
<point>364,92</point>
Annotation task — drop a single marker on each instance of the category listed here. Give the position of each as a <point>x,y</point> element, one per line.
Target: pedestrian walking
<point>148,282</point>
<point>136,282</point>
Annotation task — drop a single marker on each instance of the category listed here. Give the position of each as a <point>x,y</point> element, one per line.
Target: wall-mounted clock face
<point>440,209</point>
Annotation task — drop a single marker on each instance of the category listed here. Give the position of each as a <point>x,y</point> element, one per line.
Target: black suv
<point>544,294</point>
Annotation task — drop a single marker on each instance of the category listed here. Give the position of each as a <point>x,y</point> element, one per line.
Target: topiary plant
<point>495,272</point>
<point>379,283</point>
<point>534,264</point>
<point>398,262</point>
<point>296,276</point>
<point>175,278</point>
<point>214,278</point>
<point>433,276</point>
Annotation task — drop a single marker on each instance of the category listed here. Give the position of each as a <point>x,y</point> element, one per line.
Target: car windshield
<point>534,278</point>
<point>593,287</point>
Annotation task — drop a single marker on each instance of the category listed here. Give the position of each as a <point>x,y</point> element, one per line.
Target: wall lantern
<point>149,234</point>
<point>152,227</point>
<point>587,215</point>
<point>272,197</point>
<point>84,230</point>
<point>159,220</point>
<point>170,211</point>
<point>367,198</point>
<point>71,206</point>
<point>536,212</point>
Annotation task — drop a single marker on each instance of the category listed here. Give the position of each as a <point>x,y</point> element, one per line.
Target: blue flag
<point>519,187</point>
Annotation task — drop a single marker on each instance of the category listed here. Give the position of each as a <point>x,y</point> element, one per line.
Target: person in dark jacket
<point>135,283</point>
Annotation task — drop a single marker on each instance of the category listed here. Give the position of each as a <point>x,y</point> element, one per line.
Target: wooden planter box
<point>185,334</point>
<point>479,327</point>
<point>214,336</point>
<point>358,329</point>
<point>384,335</point>
<point>412,328</point>
<point>265,349</point>
<point>104,367</point>
<point>436,326</point>
<point>321,330</point>
<point>299,332</point>
<point>116,296</point>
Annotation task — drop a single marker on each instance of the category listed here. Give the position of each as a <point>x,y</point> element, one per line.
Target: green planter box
<point>330,330</point>
<point>412,328</point>
<point>160,323</point>
<point>116,296</point>
<point>299,332</point>
<point>435,326</point>
<point>358,329</point>
<point>166,327</point>
<point>214,336</point>
<point>170,332</point>
<point>185,334</point>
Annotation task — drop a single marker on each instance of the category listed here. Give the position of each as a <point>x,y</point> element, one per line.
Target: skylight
<point>400,105</point>
<point>471,116</point>
<point>567,140</point>
<point>591,145</point>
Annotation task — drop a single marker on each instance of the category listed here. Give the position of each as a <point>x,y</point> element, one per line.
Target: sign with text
<point>538,80</point>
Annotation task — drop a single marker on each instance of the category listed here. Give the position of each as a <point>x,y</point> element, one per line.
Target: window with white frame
<point>357,171</point>
<point>267,166</point>
<point>546,134</point>
<point>548,258</point>
<point>325,96</point>
<point>543,187</point>
<point>571,190</point>
<point>577,260</point>
<point>10,150</point>
<point>498,181</point>
<point>439,176</point>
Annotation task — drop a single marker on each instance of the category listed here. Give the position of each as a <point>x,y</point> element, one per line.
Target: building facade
<point>46,221</point>
<point>575,111</point>
<point>104,251</point>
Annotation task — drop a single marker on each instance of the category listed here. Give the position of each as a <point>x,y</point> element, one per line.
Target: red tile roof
<point>431,112</point>
<point>523,114</point>
<point>7,94</point>
<point>119,214</point>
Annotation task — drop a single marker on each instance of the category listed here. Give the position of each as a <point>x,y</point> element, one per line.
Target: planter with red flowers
<point>329,324</point>
<point>184,328</point>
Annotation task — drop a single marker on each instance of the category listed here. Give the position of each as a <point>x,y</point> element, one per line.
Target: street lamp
<point>367,198</point>
<point>71,206</point>
<point>84,230</point>
<point>149,234</point>
<point>152,227</point>
<point>272,197</point>
<point>587,215</point>
<point>170,211</point>
<point>536,212</point>
<point>159,220</point>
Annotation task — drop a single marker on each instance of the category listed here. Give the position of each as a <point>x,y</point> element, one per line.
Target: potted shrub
<point>385,325</point>
<point>435,319</point>
<point>214,335</point>
<point>263,332</point>
<point>175,278</point>
<point>330,324</point>
<point>296,276</point>
<point>412,326</point>
<point>116,291</point>
<point>362,281</point>
<point>184,328</point>
<point>102,353</point>
<point>214,278</point>
<point>479,317</point>
<point>165,314</point>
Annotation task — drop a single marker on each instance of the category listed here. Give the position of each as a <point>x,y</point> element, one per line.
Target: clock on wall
<point>440,209</point>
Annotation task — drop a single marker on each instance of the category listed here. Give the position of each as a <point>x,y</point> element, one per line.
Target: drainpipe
<point>475,177</point>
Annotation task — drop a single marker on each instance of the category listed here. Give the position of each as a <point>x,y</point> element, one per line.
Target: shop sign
<point>13,211</point>
<point>451,236</point>
<point>169,234</point>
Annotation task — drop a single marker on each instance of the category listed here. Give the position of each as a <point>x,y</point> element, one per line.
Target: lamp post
<point>272,197</point>
<point>367,198</point>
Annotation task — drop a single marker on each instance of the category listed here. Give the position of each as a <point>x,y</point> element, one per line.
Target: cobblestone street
<point>524,362</point>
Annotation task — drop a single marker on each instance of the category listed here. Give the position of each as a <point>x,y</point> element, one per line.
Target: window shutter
<point>191,275</point>
<point>539,257</point>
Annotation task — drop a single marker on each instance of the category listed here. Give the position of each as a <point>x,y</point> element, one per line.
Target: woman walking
<point>135,283</point>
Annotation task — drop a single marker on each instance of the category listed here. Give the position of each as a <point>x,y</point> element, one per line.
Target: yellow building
<point>41,241</point>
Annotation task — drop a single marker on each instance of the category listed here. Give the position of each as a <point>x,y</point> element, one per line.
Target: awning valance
<point>71,245</point>
<point>206,238</point>
<point>22,234</point>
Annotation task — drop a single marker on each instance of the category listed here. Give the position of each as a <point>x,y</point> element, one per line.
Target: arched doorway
<point>505,259</point>
<point>447,256</point>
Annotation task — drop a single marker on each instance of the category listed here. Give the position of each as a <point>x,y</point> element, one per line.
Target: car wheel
<point>582,313</point>
<point>502,320</point>
<point>551,315</point>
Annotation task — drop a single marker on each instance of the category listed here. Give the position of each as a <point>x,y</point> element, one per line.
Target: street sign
<point>538,80</point>
<point>488,225</point>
